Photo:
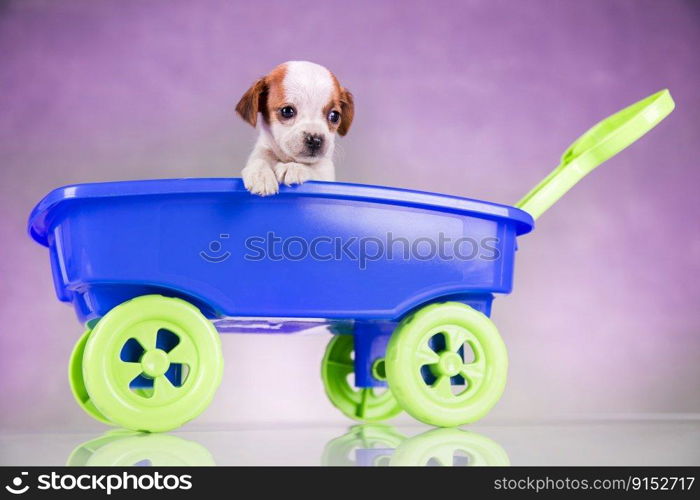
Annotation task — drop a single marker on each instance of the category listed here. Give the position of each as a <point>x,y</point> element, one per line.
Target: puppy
<point>303,106</point>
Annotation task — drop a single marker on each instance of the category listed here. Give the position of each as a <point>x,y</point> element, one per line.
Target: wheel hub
<point>449,364</point>
<point>379,369</point>
<point>155,363</point>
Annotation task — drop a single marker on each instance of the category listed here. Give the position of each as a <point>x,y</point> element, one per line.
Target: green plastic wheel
<point>368,404</point>
<point>152,363</point>
<point>77,384</point>
<point>446,364</point>
<point>449,447</point>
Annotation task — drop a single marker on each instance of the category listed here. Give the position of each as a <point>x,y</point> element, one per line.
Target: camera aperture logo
<point>17,487</point>
<point>107,483</point>
<point>215,251</point>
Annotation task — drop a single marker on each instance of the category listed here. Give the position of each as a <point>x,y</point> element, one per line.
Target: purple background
<point>476,98</point>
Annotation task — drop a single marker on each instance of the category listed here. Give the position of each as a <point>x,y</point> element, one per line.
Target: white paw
<point>292,173</point>
<point>260,180</point>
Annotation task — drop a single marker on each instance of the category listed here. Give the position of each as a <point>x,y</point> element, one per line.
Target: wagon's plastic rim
<point>39,222</point>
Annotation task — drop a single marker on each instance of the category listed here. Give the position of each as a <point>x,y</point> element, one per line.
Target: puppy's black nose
<point>313,142</point>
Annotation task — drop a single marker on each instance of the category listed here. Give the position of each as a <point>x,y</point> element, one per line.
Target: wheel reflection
<point>124,448</point>
<point>383,445</point>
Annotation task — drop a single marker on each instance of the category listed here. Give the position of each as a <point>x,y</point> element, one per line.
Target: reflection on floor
<point>377,444</point>
<point>363,445</point>
<point>675,442</point>
<point>126,448</point>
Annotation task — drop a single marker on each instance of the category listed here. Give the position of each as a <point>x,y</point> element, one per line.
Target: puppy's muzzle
<point>313,144</point>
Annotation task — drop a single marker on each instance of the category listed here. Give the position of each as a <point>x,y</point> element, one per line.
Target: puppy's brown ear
<point>347,111</point>
<point>253,102</point>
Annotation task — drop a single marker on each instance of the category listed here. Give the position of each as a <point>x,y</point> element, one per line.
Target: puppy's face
<point>303,106</point>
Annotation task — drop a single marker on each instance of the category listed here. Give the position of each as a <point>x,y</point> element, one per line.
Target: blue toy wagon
<point>404,279</point>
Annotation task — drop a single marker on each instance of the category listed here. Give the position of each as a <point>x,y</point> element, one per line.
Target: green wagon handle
<point>603,141</point>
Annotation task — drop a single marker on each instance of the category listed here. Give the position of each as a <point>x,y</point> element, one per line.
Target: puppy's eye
<point>288,112</point>
<point>334,117</point>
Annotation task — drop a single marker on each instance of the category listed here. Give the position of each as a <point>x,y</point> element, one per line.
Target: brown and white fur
<point>292,150</point>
